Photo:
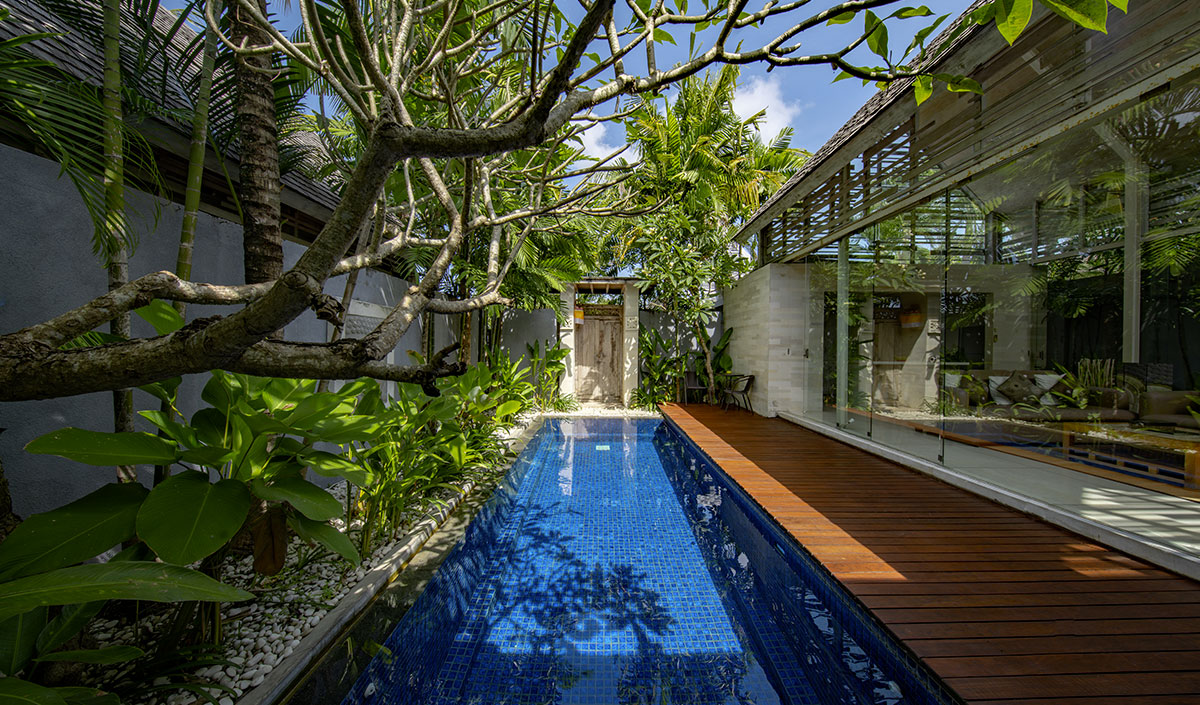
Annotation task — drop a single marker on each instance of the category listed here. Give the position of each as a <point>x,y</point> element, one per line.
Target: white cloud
<point>595,142</point>
<point>761,93</point>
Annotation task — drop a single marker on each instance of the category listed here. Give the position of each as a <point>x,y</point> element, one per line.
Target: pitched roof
<point>874,107</point>
<point>80,57</point>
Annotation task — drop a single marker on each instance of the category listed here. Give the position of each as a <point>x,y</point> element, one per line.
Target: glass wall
<point>1047,309</point>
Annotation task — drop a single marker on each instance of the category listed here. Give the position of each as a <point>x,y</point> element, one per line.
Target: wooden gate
<point>598,344</point>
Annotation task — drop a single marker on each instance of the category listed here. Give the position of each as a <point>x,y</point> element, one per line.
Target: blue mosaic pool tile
<point>614,566</point>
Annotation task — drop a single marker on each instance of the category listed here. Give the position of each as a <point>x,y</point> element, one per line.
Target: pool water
<point>617,565</point>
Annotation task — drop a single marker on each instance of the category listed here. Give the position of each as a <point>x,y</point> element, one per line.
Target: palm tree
<point>705,169</point>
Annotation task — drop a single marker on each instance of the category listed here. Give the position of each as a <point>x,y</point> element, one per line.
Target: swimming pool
<point>617,565</point>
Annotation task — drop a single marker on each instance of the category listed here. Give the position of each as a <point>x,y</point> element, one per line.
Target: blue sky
<point>804,97</point>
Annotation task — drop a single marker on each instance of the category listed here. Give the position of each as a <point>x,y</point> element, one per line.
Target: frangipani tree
<point>446,92</point>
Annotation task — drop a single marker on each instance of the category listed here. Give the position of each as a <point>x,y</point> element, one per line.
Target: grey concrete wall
<point>521,328</point>
<point>48,267</point>
<point>769,313</point>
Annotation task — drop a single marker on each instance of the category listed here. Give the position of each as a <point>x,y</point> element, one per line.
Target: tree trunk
<point>708,368</point>
<point>8,520</point>
<point>258,181</point>
<point>114,205</point>
<point>192,191</point>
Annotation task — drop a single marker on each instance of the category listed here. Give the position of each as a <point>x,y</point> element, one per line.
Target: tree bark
<point>114,205</point>
<point>258,180</point>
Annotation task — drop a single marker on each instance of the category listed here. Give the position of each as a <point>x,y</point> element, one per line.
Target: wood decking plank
<point>1006,608</point>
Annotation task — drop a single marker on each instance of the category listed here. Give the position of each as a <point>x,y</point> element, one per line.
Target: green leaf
<point>76,532</point>
<point>161,315</point>
<point>69,622</point>
<point>310,410</point>
<point>91,339</point>
<point>662,35</point>
<point>1012,16</point>
<point>343,429</point>
<point>842,18</point>
<point>877,39</point>
<point>1122,5</point>
<point>106,655</point>
<point>325,535</point>
<point>181,433</point>
<point>187,518</point>
<point>207,456</point>
<point>508,408</point>
<point>308,499</point>
<point>331,465</point>
<point>923,87</point>
<point>905,13</point>
<point>1089,14</point>
<point>96,448</point>
<point>163,390</point>
<point>19,692</point>
<point>842,76</point>
<point>18,640</point>
<point>125,580</point>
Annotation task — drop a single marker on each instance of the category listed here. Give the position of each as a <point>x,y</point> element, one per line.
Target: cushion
<point>1051,386</point>
<point>998,396</point>
<point>1109,397</point>
<point>1020,389</point>
<point>977,390</point>
<point>951,381</point>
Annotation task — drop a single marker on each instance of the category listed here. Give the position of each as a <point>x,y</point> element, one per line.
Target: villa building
<point>1004,283</point>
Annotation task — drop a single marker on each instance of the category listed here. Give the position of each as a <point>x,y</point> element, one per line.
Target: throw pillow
<point>1051,386</point>
<point>998,396</point>
<point>1020,389</point>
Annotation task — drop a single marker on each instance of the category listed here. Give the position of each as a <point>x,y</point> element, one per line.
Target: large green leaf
<point>326,535</point>
<point>187,518</point>
<point>310,410</point>
<point>67,624</point>
<point>343,429</point>
<point>310,500</point>
<point>331,465</point>
<point>1089,14</point>
<point>1012,16</point>
<point>72,533</point>
<point>19,692</point>
<point>18,640</point>
<point>96,448</point>
<point>106,655</point>
<point>508,408</point>
<point>182,433</point>
<point>161,315</point>
<point>124,580</point>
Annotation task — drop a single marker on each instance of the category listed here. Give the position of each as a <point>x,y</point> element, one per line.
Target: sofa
<point>1040,395</point>
<point>1169,408</point>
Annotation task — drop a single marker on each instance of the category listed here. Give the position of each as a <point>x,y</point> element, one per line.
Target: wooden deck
<point>1004,607</point>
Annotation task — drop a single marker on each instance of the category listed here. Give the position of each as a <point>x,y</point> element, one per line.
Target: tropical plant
<point>716,354</point>
<point>547,365</point>
<point>662,370</point>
